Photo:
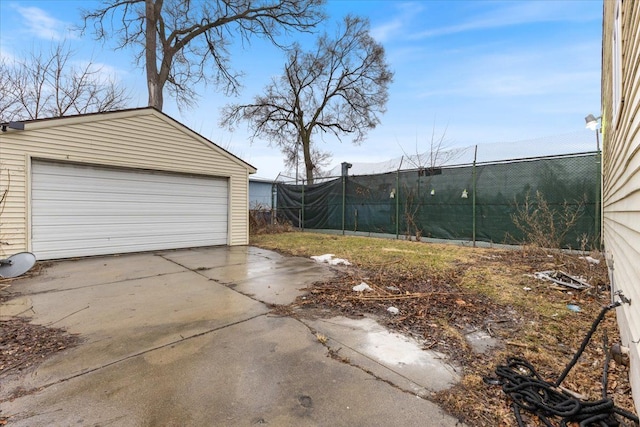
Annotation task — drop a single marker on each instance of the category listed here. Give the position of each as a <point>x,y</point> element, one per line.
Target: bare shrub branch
<point>438,153</point>
<point>52,84</point>
<point>542,225</point>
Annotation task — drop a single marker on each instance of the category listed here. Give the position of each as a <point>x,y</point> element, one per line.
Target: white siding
<point>142,139</point>
<point>621,167</point>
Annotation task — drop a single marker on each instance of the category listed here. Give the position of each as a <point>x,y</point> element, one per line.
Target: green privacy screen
<point>459,202</point>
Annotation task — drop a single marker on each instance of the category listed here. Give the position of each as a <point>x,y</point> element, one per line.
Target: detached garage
<point>116,182</point>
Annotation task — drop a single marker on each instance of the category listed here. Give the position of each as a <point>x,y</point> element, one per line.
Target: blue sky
<point>520,73</point>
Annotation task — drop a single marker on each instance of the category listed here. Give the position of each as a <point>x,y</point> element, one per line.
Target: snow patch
<point>590,260</point>
<point>329,259</point>
<point>362,287</point>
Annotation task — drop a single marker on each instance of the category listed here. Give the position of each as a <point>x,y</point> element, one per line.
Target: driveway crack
<point>140,353</point>
<point>334,355</point>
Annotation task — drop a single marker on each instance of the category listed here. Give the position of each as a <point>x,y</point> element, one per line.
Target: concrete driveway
<point>189,338</point>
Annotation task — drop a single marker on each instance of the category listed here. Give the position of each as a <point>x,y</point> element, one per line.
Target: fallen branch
<point>396,297</point>
<point>517,344</point>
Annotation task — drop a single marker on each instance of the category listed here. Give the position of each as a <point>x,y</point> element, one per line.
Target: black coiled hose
<point>521,382</point>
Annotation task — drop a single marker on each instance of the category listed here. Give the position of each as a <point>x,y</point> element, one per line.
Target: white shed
<point>115,182</point>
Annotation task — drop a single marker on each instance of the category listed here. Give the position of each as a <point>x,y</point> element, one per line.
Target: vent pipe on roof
<point>345,168</point>
<point>12,125</point>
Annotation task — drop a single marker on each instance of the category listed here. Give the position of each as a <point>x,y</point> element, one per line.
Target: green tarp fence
<point>458,202</point>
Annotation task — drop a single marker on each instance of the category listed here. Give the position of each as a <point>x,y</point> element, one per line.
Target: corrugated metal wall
<point>621,171</point>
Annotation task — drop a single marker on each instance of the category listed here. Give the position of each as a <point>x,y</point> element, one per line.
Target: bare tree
<point>438,152</point>
<point>179,39</point>
<point>339,88</point>
<point>53,85</point>
<point>7,94</point>
<point>293,153</point>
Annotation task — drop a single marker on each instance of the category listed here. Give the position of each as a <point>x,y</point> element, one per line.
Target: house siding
<point>260,195</point>
<point>621,173</point>
<point>142,139</point>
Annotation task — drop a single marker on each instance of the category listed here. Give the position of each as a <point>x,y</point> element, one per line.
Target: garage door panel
<point>131,186</point>
<point>114,209</point>
<point>67,250</point>
<point>121,244</point>
<point>86,210</point>
<point>141,188</point>
<point>88,220</point>
<point>174,200</point>
<point>110,231</point>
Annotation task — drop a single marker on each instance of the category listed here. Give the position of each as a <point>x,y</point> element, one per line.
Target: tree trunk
<point>306,149</point>
<point>155,94</point>
<point>152,11</point>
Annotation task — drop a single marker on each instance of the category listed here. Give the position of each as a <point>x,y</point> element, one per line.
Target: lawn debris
<point>590,260</point>
<point>562,278</point>
<point>574,308</point>
<point>329,259</point>
<point>24,344</point>
<point>393,310</point>
<point>362,287</point>
<point>425,286</point>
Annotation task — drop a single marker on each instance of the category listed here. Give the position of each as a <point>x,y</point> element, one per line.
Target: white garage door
<point>79,210</point>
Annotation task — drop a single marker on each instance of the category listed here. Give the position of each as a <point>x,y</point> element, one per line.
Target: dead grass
<point>445,291</point>
<point>260,222</point>
<point>369,253</point>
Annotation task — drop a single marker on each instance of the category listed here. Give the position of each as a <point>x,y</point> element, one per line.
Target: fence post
<point>302,210</point>
<point>345,171</point>
<point>273,203</point>
<point>398,203</point>
<point>344,196</point>
<point>473,198</point>
<point>398,198</point>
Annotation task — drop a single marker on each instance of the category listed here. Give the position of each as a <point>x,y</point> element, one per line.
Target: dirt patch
<point>496,293</point>
<point>24,345</point>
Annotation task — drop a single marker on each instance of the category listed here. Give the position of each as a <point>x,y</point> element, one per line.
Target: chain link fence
<point>475,202</point>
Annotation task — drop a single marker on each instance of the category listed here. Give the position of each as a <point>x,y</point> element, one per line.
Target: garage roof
<point>82,118</point>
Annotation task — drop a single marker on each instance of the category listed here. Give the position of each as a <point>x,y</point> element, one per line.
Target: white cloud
<point>511,71</point>
<point>384,31</point>
<point>398,24</point>
<point>512,14</point>
<point>42,25</point>
<point>102,73</point>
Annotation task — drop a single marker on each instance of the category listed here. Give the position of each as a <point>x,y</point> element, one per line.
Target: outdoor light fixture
<point>465,194</point>
<point>433,191</point>
<point>592,122</point>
